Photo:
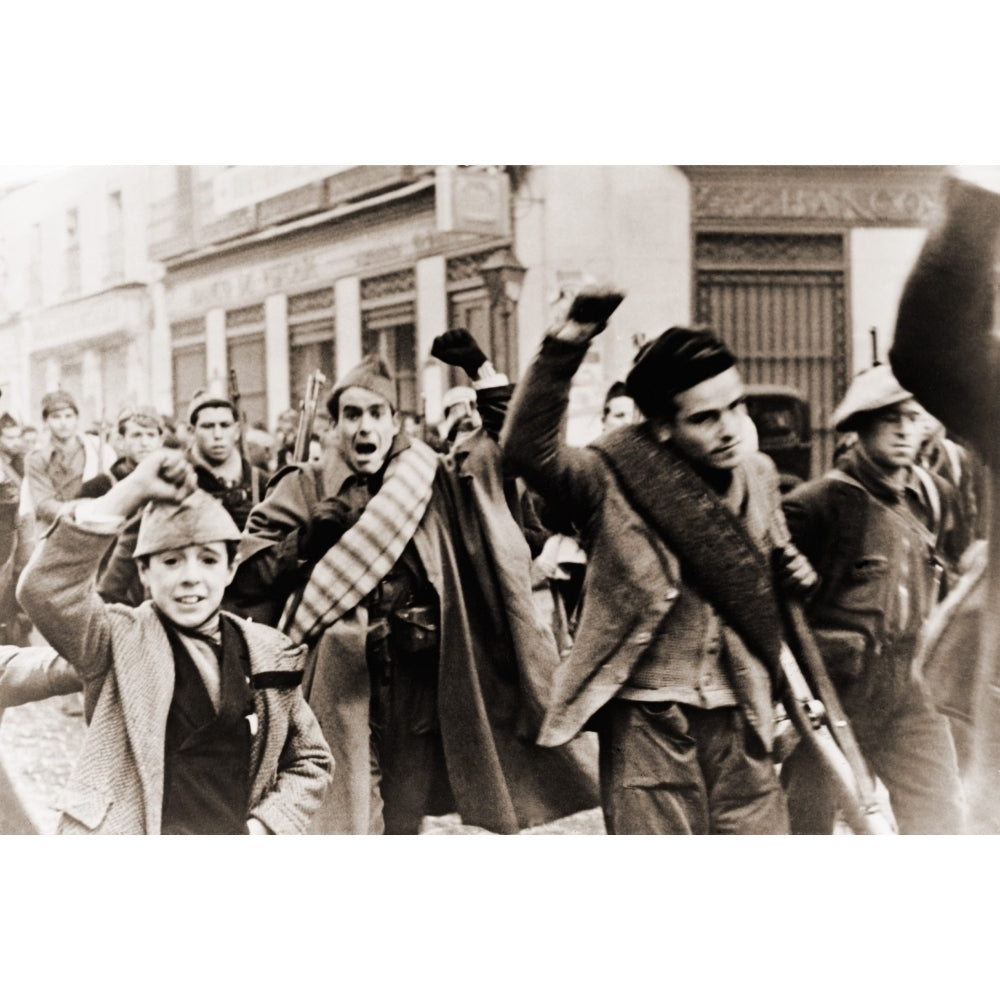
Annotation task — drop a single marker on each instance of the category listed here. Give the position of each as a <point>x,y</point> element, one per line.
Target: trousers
<point>408,774</point>
<point>909,748</point>
<point>672,768</point>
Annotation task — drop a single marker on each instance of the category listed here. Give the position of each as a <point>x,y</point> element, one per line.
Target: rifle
<point>816,713</point>
<point>307,415</point>
<point>234,398</point>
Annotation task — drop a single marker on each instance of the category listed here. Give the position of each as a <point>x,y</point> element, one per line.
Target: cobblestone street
<point>39,742</point>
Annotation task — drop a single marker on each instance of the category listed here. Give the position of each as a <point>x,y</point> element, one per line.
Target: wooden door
<point>778,301</point>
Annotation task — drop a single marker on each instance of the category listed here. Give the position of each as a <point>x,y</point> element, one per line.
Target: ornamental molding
<point>188,328</point>
<point>466,267</point>
<point>857,203</point>
<point>320,299</point>
<point>247,316</point>
<point>382,285</point>
<point>749,249</point>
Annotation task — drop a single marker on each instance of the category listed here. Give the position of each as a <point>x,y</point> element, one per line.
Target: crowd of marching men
<point>355,622</point>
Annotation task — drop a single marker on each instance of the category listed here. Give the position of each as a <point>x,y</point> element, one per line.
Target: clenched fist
<point>459,348</point>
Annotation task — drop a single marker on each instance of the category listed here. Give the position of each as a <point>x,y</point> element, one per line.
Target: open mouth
<point>365,448</point>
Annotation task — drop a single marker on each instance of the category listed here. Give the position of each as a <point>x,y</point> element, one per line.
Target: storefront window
<point>397,344</point>
<point>189,376</point>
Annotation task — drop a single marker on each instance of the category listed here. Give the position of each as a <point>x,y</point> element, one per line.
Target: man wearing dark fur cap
<point>676,651</point>
<point>408,576</point>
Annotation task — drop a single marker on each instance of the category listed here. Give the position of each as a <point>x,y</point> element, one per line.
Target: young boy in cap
<point>675,660</point>
<point>871,527</point>
<point>197,723</point>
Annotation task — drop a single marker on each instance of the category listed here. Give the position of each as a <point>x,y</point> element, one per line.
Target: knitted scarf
<point>367,551</point>
<point>718,556</point>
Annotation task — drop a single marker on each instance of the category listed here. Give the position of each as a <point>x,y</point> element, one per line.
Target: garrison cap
<point>203,398</point>
<point>871,390</point>
<point>58,400</point>
<point>197,520</point>
<point>371,374</point>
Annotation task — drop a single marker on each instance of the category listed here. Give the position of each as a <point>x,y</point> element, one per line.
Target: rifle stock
<point>816,712</point>
<point>235,398</point>
<point>307,416</point>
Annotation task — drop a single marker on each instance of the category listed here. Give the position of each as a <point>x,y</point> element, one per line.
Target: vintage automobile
<point>783,426</point>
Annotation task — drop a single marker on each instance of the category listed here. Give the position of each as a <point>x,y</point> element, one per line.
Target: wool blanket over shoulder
<point>350,570</point>
<point>718,556</point>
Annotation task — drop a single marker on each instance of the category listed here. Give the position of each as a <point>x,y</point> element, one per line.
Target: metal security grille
<point>778,301</point>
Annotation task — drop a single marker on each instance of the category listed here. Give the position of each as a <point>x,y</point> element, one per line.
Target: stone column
<point>216,362</point>
<point>432,320</point>
<point>276,355</point>
<point>347,293</point>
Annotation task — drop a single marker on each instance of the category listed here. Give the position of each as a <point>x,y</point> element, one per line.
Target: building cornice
<point>815,195</point>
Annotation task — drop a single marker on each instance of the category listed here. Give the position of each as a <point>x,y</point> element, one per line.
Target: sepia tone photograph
<point>546,499</point>
<point>640,488</point>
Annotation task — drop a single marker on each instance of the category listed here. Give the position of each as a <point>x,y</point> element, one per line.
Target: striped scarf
<point>352,568</point>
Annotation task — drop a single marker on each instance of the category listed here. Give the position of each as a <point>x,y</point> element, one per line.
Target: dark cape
<point>497,658</point>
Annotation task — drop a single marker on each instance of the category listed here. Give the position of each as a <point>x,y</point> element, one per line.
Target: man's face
<point>365,429</point>
<point>62,423</point>
<point>11,441</point>
<point>711,425</point>
<point>187,584</point>
<point>891,436</point>
<point>288,424</point>
<point>465,417</point>
<point>619,412</point>
<point>138,440</point>
<point>216,433</point>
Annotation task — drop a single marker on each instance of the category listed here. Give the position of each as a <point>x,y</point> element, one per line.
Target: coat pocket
<point>86,806</point>
<point>865,589</point>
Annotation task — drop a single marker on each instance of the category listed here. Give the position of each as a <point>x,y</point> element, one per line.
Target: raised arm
<point>58,588</point>
<point>532,438</point>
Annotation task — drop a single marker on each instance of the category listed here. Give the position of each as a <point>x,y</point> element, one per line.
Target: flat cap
<point>58,400</point>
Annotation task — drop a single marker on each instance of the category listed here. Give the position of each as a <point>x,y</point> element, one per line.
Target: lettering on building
<point>862,204</point>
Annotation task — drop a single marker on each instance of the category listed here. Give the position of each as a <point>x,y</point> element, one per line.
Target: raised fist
<point>332,518</point>
<point>595,305</point>
<point>459,348</point>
